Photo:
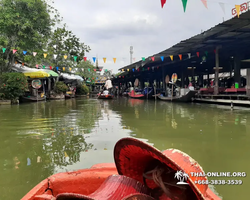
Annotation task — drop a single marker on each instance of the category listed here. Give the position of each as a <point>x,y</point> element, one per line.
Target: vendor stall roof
<point>229,34</point>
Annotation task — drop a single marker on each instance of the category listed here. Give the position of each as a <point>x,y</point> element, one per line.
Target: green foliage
<point>82,89</point>
<point>25,25</point>
<point>12,85</point>
<point>86,69</point>
<point>60,87</point>
<point>63,42</point>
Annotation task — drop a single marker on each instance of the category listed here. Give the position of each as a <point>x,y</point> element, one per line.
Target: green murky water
<point>40,139</point>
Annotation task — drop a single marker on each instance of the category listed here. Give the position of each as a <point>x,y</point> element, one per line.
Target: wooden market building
<point>221,49</point>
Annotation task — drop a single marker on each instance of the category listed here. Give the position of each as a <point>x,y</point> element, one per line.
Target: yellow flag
<point>69,69</point>
<point>172,57</point>
<point>114,60</point>
<point>65,57</point>
<point>65,154</point>
<point>128,70</point>
<point>45,55</point>
<point>122,70</point>
<point>237,7</point>
<point>104,60</point>
<point>63,68</point>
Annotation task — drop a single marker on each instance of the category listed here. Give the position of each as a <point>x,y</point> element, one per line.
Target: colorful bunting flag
<point>24,52</point>
<point>84,58</point>
<point>133,69</point>
<point>172,57</point>
<point>50,67</point>
<point>22,64</point>
<point>63,68</point>
<point>37,66</point>
<point>57,68</point>
<point>104,60</point>
<point>204,2</point>
<point>100,70</point>
<point>122,70</point>
<point>45,55</point>
<point>153,58</point>
<point>128,70</point>
<point>43,67</point>
<point>75,58</point>
<point>163,2</point>
<point>70,69</point>
<point>114,60</point>
<point>4,49</point>
<point>94,59</point>
<point>34,53</point>
<point>162,58</point>
<point>14,51</point>
<point>88,69</point>
<point>206,53</point>
<point>237,7</point>
<point>180,56</point>
<point>184,3</point>
<point>143,58</point>
<point>65,57</point>
<point>95,70</point>
<point>189,55</point>
<point>222,5</point>
<point>198,54</point>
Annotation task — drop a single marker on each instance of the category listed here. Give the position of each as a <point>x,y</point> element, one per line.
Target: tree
<point>86,70</point>
<point>25,25</point>
<point>65,43</point>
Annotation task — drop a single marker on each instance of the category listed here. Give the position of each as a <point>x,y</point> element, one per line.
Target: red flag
<point>163,2</point>
<point>198,54</point>
<point>85,58</point>
<point>50,67</point>
<point>153,58</point>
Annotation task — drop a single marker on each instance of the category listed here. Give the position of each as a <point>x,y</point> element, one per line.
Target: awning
<point>50,72</point>
<point>38,74</point>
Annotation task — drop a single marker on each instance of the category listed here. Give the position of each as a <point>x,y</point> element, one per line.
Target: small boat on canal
<point>185,95</point>
<point>140,172</point>
<point>105,96</point>
<point>147,93</point>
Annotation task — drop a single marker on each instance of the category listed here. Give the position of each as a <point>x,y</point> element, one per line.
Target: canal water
<point>40,139</point>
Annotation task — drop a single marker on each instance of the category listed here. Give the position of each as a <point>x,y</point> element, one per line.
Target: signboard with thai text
<point>243,8</point>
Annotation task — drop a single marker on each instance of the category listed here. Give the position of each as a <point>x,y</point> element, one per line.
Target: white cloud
<point>110,27</point>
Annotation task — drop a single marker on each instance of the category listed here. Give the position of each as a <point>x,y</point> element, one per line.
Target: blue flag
<point>24,52</point>
<point>94,58</point>
<point>162,58</point>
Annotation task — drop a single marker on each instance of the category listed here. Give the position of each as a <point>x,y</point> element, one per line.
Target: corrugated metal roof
<point>232,30</point>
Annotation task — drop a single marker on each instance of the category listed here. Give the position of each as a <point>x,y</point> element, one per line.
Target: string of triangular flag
<point>172,58</point>
<point>238,8</point>
<point>85,58</point>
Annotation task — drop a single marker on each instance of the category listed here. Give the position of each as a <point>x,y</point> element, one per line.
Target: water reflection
<point>44,138</point>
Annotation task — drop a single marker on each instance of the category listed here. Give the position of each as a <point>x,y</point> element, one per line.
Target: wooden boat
<point>147,93</point>
<point>69,95</point>
<point>114,181</point>
<point>56,96</point>
<point>103,96</point>
<point>187,97</point>
<point>32,98</point>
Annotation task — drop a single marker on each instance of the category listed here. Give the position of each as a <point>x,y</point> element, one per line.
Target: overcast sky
<point>110,27</point>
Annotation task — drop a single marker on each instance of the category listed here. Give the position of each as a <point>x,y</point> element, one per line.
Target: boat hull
<point>32,99</point>
<point>84,182</point>
<point>185,98</point>
<point>105,96</point>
